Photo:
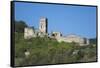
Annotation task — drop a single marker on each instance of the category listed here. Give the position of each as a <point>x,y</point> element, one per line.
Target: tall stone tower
<point>43,25</point>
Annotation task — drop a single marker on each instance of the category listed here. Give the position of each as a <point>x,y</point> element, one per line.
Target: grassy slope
<point>49,51</point>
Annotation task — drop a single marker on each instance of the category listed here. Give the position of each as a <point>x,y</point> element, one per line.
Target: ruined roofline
<point>75,35</point>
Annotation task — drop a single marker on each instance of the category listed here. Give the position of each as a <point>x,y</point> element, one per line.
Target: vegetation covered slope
<point>49,51</point>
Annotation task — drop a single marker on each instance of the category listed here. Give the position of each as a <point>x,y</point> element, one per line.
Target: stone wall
<point>43,25</point>
<point>73,38</point>
<point>29,33</point>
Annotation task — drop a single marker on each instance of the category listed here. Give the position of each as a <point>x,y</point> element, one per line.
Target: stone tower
<point>43,25</point>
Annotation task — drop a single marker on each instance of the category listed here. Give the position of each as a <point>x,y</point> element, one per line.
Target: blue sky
<point>67,19</point>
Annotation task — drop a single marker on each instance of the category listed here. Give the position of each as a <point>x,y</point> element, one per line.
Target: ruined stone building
<point>70,38</point>
<point>43,25</point>
<point>43,31</point>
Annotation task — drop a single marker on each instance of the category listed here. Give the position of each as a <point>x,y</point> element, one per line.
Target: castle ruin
<point>43,31</point>
<point>30,32</point>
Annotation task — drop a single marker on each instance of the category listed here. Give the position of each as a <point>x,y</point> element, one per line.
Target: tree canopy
<point>19,26</point>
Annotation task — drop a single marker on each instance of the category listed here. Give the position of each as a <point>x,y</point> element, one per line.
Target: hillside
<point>49,51</point>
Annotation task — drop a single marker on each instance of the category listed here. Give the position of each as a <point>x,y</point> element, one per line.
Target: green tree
<point>19,26</point>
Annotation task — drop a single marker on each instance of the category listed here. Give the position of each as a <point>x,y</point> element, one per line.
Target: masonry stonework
<point>43,25</point>
<point>43,31</point>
